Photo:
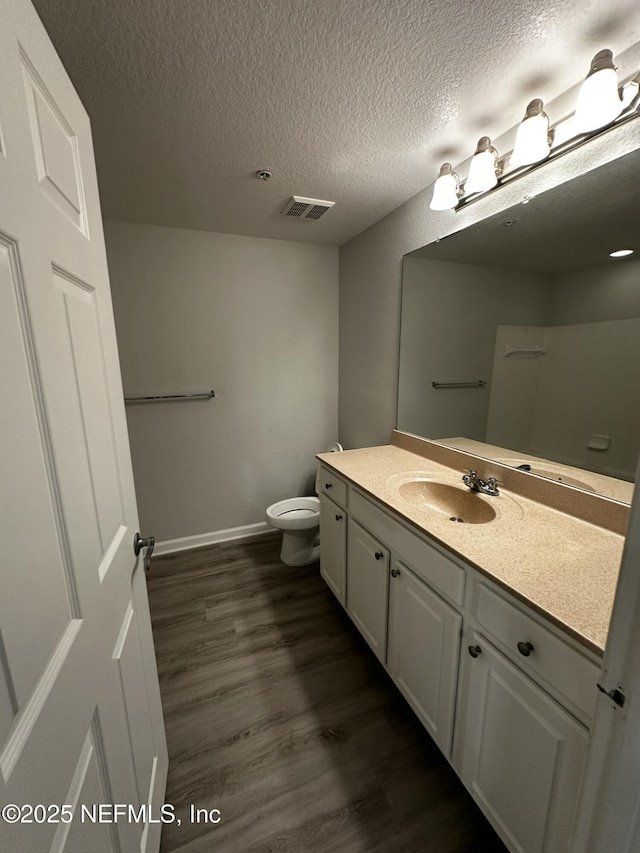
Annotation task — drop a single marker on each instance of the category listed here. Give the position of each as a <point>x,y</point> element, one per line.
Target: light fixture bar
<point>602,105</point>
<point>562,144</point>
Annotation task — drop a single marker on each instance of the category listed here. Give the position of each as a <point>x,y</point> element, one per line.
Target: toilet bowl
<point>299,520</point>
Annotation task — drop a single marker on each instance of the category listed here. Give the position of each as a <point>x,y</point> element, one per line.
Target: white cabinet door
<point>522,755</point>
<point>80,713</point>
<point>368,574</point>
<point>424,647</point>
<point>333,547</point>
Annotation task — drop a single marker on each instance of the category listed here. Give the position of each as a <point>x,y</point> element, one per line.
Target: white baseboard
<point>169,546</point>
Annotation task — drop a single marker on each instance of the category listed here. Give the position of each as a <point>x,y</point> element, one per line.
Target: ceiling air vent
<point>306,208</point>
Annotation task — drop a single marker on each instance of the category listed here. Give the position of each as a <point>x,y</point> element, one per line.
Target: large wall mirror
<point>520,337</point>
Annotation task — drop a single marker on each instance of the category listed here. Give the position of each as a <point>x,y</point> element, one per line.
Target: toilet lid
<point>334,447</point>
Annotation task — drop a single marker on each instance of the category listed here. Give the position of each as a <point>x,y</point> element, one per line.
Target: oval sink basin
<point>460,504</point>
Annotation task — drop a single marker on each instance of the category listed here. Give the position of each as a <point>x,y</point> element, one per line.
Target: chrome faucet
<point>477,484</point>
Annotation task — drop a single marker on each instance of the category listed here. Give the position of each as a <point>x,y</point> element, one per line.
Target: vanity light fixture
<point>621,253</point>
<point>533,143</point>
<point>599,102</point>
<point>483,169</point>
<point>446,191</point>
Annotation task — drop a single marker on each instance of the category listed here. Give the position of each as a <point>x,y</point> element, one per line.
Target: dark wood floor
<point>279,715</point>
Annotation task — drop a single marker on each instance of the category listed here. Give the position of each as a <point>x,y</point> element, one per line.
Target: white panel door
<point>424,648</point>
<point>367,585</point>
<point>80,712</point>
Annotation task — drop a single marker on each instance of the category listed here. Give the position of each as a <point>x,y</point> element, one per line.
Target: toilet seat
<point>294,514</point>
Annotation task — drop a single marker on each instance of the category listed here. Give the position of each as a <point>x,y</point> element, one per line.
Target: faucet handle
<point>492,485</point>
<point>470,479</point>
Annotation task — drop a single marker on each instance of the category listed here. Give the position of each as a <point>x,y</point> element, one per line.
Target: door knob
<point>148,544</point>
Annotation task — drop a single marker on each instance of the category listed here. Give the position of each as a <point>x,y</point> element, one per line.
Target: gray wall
<point>371,281</point>
<point>449,317</point>
<point>255,319</point>
<point>607,292</point>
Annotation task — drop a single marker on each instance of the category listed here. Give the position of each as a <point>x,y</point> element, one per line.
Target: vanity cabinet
<point>507,696</point>
<point>367,591</point>
<point>424,645</point>
<point>521,755</point>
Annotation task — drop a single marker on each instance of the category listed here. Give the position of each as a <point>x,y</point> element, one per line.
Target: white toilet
<point>299,520</point>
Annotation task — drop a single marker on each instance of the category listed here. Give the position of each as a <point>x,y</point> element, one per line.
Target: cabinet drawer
<point>424,560</point>
<point>538,651</point>
<point>332,486</point>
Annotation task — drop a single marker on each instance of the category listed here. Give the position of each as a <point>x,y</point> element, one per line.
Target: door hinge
<point>616,695</point>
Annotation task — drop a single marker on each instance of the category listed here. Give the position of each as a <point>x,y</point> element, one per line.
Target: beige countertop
<point>564,567</point>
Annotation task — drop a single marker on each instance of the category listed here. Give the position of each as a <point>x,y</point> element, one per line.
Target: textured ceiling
<point>354,101</point>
